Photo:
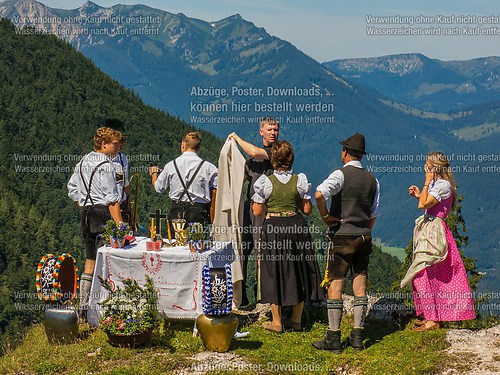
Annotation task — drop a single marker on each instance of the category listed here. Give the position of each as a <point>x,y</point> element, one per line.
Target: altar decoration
<point>114,233</point>
<point>57,285</point>
<point>129,313</point>
<point>197,237</point>
<point>217,325</point>
<point>179,226</point>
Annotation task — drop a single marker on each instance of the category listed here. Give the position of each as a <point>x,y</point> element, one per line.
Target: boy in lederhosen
<point>93,187</point>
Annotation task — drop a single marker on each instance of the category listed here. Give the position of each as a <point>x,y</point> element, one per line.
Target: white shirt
<point>335,182</point>
<point>188,162</point>
<point>103,190</point>
<point>120,162</point>
<point>440,189</point>
<point>264,187</point>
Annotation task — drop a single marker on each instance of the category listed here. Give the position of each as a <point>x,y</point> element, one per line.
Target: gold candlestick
<point>152,229</point>
<point>168,231</point>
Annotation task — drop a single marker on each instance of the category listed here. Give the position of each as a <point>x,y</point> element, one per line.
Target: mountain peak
<point>236,16</point>
<point>89,6</point>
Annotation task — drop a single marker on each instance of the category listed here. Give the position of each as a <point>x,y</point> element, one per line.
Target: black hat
<point>114,124</point>
<point>355,142</point>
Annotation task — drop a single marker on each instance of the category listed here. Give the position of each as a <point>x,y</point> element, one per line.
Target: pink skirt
<point>441,292</point>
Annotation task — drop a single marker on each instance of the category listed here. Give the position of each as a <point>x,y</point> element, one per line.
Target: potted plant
<point>129,313</point>
<point>196,237</point>
<point>114,233</point>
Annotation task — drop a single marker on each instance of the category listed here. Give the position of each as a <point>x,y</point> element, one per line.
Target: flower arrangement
<point>114,230</point>
<point>131,309</point>
<point>197,236</point>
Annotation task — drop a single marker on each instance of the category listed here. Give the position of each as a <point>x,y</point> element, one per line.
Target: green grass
<point>389,350</point>
<point>398,252</point>
<point>169,351</point>
<point>475,133</point>
<point>423,114</point>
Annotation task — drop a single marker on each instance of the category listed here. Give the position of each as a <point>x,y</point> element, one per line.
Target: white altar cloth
<point>176,272</point>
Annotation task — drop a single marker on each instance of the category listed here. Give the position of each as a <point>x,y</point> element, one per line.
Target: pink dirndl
<point>441,291</point>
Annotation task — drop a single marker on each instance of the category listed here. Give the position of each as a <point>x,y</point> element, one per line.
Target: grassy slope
<point>398,252</point>
<point>390,351</point>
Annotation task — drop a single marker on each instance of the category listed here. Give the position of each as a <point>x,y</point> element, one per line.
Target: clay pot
<point>131,340</point>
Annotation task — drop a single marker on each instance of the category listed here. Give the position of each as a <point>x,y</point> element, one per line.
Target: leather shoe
<point>289,325</point>
<point>420,322</point>
<point>427,327</point>
<point>270,327</point>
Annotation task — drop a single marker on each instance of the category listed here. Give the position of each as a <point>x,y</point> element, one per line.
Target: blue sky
<point>335,29</point>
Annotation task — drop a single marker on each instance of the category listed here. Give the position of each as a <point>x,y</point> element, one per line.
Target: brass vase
<point>61,324</point>
<point>217,331</point>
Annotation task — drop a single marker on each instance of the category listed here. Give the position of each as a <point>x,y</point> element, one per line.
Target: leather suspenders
<point>186,187</point>
<point>90,182</point>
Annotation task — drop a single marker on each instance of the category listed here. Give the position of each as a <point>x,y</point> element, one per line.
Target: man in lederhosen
<point>190,181</point>
<point>93,187</point>
<point>354,208</point>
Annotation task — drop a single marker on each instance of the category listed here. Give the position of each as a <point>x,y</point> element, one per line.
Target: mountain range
<point>428,84</point>
<point>183,65</point>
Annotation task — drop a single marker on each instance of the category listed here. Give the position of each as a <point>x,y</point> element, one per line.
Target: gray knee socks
<point>334,308</point>
<point>85,285</point>
<point>360,307</point>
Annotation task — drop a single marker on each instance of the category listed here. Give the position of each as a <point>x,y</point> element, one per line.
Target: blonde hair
<point>106,135</point>
<point>439,161</point>
<point>192,140</point>
<point>270,121</point>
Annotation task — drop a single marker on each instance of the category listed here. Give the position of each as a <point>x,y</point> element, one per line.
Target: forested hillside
<point>52,99</point>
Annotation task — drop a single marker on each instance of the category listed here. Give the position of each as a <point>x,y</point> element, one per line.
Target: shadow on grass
<point>376,330</point>
<point>85,332</point>
<point>245,344</point>
<point>170,331</point>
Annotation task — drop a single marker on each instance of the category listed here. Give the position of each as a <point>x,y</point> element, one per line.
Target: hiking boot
<point>356,339</point>
<point>330,342</point>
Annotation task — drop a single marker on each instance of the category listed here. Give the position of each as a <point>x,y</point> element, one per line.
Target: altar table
<point>176,272</point>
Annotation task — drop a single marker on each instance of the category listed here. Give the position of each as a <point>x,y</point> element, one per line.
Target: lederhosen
<point>93,218</point>
<point>190,211</point>
<point>350,242</point>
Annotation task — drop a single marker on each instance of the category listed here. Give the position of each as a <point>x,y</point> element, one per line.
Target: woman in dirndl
<point>441,291</point>
<point>289,272</point>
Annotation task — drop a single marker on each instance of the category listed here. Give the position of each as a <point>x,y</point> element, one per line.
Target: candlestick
<point>152,229</point>
<point>168,232</point>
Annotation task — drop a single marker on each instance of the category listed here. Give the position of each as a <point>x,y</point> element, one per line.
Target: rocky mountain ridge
<point>428,84</point>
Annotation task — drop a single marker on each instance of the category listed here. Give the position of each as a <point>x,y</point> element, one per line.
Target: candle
<point>152,229</point>
<point>168,231</point>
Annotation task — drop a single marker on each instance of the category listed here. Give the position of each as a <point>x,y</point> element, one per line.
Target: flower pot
<point>131,340</point>
<point>116,243</point>
<point>217,331</point>
<point>196,246</point>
